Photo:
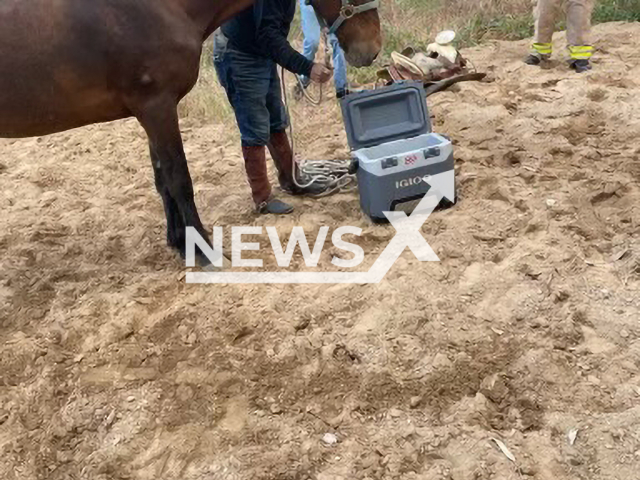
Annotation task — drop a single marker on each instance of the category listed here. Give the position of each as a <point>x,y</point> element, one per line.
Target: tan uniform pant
<point>578,25</point>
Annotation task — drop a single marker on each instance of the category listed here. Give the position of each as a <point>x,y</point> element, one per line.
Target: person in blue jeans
<point>246,52</point>
<point>311,31</point>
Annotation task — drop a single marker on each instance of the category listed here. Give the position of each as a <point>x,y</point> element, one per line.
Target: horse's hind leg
<point>159,117</point>
<point>175,224</point>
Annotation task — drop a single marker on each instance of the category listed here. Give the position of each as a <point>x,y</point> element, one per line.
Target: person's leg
<point>339,67</point>
<point>247,80</point>
<point>279,145</point>
<point>311,33</point>
<point>545,16</point>
<point>579,33</point>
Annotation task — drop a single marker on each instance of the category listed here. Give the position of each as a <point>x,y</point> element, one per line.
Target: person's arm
<point>272,39</point>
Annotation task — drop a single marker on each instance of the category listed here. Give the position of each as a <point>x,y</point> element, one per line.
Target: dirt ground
<point>111,367</point>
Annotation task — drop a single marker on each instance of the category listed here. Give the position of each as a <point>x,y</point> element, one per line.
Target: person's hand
<point>320,73</point>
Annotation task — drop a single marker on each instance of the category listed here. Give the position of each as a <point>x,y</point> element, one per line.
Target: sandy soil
<point>111,367</point>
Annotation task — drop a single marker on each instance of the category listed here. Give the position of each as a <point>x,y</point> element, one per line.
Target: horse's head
<point>357,26</point>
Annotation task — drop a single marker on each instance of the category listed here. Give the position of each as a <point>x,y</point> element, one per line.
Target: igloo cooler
<point>393,148</point>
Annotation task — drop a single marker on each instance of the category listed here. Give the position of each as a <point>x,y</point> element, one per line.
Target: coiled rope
<point>334,175</point>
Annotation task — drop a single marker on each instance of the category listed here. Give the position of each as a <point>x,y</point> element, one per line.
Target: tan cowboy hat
<point>406,63</point>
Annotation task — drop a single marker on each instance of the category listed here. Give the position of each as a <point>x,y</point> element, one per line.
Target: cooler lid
<point>386,114</point>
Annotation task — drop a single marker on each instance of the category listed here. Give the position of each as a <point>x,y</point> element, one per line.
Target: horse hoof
<point>211,268</point>
<point>204,263</point>
<point>226,265</point>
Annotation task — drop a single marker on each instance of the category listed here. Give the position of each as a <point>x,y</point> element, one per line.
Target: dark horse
<point>69,63</point>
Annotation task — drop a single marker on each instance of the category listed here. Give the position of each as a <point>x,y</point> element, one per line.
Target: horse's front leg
<point>159,117</point>
<point>175,224</point>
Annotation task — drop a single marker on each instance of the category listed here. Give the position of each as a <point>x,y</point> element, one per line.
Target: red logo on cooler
<point>410,159</point>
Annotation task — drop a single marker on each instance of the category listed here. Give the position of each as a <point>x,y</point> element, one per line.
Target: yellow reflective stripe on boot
<point>542,48</point>
<point>583,52</point>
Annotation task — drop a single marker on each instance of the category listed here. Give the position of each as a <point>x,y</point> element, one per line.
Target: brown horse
<point>69,63</point>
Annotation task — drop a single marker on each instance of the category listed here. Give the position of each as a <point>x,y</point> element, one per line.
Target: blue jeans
<point>253,89</point>
<point>311,32</point>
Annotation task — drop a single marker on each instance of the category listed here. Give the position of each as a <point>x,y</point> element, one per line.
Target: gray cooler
<point>389,132</point>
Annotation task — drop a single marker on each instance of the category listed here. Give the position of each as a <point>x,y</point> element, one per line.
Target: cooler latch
<point>390,162</point>
<point>432,152</point>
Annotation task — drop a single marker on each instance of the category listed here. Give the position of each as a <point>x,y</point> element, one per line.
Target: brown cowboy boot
<point>255,163</point>
<point>282,155</point>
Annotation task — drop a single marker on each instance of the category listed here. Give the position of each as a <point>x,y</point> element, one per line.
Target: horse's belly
<point>42,115</point>
<point>38,129</point>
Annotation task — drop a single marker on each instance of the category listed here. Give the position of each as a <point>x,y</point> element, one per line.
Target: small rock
<point>539,322</point>
<point>551,202</point>
<point>408,431</point>
<point>275,409</point>
<point>415,401</point>
<point>495,388</point>
<point>329,439</point>
<point>54,337</point>
<point>370,461</point>
<point>513,158</point>
<point>441,361</point>
<point>529,470</point>
<point>624,334</point>
<point>499,195</point>
<point>527,176</point>
<point>63,457</point>
<point>530,271</point>
<point>302,324</point>
<point>131,398</point>
<point>395,413</point>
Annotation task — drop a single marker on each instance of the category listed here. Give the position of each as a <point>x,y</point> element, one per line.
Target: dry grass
<point>415,22</point>
<point>207,101</point>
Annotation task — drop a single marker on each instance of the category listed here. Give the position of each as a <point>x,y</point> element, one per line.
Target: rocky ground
<point>526,332</point>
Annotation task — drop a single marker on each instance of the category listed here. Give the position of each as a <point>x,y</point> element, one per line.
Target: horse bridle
<point>348,10</point>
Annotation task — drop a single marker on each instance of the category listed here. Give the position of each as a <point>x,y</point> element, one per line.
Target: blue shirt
<point>262,30</point>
